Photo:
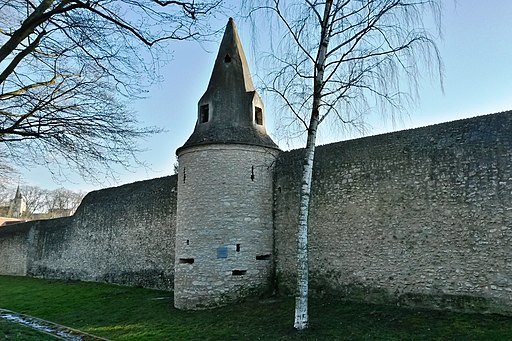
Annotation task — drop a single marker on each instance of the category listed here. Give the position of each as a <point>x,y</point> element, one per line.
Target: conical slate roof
<point>230,110</point>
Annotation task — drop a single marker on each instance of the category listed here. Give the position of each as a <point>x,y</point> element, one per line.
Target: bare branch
<point>69,70</point>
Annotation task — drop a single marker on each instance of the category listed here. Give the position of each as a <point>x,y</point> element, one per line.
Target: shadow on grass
<point>122,313</point>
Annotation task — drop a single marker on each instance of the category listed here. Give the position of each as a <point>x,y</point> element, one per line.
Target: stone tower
<point>224,233</point>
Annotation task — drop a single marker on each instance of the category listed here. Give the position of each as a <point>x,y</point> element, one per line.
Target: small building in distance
<point>16,209</point>
<point>18,205</point>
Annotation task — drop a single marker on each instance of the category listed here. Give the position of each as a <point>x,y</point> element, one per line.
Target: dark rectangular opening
<point>263,257</point>
<point>258,116</point>
<point>237,247</point>
<point>204,113</point>
<point>186,261</point>
<point>238,272</point>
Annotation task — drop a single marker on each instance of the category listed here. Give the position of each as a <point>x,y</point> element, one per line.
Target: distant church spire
<point>18,193</point>
<point>230,111</point>
<point>18,205</point>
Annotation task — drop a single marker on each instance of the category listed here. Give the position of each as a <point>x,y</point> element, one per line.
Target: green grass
<point>123,313</point>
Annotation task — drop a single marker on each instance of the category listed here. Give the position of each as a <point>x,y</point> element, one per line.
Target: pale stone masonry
<point>421,217</point>
<point>224,235</point>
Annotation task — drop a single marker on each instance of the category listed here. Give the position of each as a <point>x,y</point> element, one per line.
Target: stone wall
<point>419,217</point>
<point>121,235</point>
<point>15,241</point>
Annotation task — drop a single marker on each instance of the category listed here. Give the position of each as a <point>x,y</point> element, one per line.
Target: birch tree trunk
<point>301,300</point>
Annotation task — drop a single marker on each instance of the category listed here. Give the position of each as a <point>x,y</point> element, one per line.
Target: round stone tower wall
<point>224,234</point>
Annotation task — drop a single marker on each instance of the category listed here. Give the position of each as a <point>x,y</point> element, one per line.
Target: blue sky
<point>476,51</point>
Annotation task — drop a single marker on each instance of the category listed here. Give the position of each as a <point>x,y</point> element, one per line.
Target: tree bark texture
<point>301,301</point>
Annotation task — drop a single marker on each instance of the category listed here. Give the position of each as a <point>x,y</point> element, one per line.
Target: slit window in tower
<point>186,260</point>
<point>258,116</point>
<point>227,59</point>
<point>204,113</point>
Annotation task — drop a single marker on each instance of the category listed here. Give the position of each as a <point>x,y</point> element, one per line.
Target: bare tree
<point>63,202</point>
<point>6,195</point>
<point>339,61</point>
<point>7,171</point>
<point>68,68</point>
<point>35,198</point>
<point>43,203</point>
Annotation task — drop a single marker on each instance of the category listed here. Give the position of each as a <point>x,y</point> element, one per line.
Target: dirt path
<point>57,330</point>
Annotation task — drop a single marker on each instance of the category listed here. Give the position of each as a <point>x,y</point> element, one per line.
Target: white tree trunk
<point>301,299</point>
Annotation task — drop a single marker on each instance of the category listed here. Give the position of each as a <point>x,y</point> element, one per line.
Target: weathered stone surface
<point>121,235</point>
<point>419,216</point>
<point>224,234</point>
<point>15,241</point>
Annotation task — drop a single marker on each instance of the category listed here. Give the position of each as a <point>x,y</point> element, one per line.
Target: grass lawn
<point>122,313</point>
